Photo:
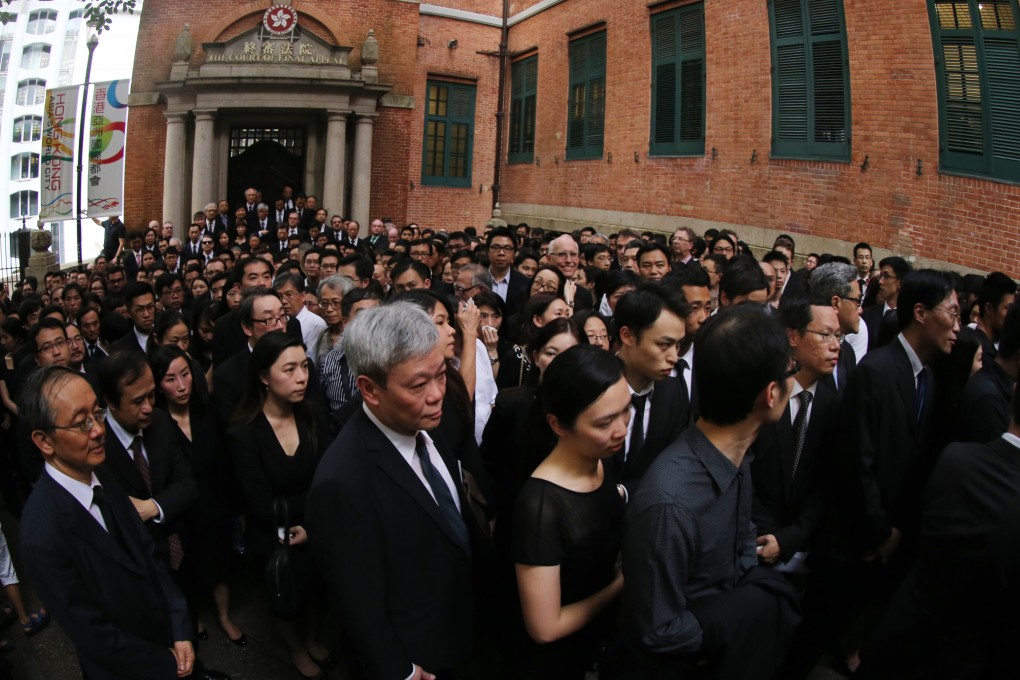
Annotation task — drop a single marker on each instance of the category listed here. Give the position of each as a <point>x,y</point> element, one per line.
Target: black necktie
<point>637,429</point>
<point>442,493</point>
<point>100,501</point>
<point>800,425</point>
<point>863,284</point>
<point>682,366</point>
<point>92,351</point>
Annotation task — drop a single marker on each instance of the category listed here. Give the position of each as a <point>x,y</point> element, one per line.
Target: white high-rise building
<point>43,45</point>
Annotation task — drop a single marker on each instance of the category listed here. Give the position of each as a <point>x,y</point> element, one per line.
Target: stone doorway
<point>267,159</point>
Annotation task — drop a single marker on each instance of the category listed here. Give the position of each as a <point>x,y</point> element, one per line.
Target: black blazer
<point>517,290</point>
<point>954,616</point>
<point>264,472</point>
<point>669,417</point>
<point>228,385</point>
<point>881,452</point>
<point>173,486</point>
<point>228,336</point>
<point>875,319</point>
<point>126,343</point>
<point>119,605</point>
<point>400,579</point>
<point>791,507</point>
<point>986,405</point>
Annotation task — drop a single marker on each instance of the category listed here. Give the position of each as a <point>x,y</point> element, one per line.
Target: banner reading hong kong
<point>56,199</point>
<point>107,137</point>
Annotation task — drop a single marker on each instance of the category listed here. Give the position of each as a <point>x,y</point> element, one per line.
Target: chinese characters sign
<point>107,137</point>
<point>277,52</point>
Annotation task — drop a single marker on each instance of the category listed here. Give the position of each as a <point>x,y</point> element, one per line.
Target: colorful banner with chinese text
<point>107,138</point>
<point>56,197</point>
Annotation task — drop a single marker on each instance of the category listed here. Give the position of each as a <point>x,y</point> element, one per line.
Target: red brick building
<point>832,120</point>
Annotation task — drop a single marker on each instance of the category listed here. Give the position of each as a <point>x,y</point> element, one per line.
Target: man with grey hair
<point>291,289</point>
<point>386,489</point>
<point>836,284</point>
<point>565,255</point>
<point>212,225</point>
<point>471,280</point>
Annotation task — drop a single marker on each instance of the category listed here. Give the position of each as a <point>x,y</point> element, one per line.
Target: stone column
<point>173,175</point>
<point>361,182</point>
<point>202,189</point>
<point>336,161</point>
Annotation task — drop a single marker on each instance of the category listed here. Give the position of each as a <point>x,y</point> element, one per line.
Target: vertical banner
<point>56,199</point>
<point>107,137</point>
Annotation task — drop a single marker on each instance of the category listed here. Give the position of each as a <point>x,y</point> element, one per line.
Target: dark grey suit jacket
<point>119,606</point>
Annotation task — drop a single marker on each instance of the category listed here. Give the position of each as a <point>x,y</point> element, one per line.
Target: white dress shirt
<point>81,492</point>
<point>125,438</point>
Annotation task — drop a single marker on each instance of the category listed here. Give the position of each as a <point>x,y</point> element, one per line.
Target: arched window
<point>27,129</point>
<point>24,204</point>
<point>31,91</point>
<point>41,22</point>
<point>35,56</point>
<point>25,166</point>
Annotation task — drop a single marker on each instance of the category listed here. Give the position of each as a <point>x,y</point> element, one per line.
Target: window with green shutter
<point>977,61</point>
<point>449,134</point>
<point>523,95</point>
<point>810,80</point>
<point>678,82</point>
<point>586,118</point>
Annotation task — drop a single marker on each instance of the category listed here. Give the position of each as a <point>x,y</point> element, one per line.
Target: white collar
<point>404,444</point>
<point>123,436</point>
<point>915,361</point>
<point>79,490</point>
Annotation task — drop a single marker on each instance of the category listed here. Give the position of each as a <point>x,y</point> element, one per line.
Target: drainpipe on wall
<point>503,55</point>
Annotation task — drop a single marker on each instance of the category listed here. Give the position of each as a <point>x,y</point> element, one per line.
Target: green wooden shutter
<point>977,47</point>
<point>449,134</point>
<point>587,103</point>
<point>678,82</point>
<point>523,94</point>
<point>810,80</point>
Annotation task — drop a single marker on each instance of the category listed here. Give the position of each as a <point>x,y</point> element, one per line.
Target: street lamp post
<point>92,43</point>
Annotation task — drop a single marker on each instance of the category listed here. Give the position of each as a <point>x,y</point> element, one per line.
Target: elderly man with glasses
<point>564,254</point>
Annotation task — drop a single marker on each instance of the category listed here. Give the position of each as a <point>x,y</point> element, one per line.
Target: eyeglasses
<point>858,301</point>
<point>722,249</point>
<point>206,243</point>
<point>86,424</point>
<point>826,336</point>
<point>457,288</point>
<point>953,314</point>
<point>77,340</point>
<point>886,275</point>
<point>565,256</point>
<point>273,321</point>
<point>545,287</point>
<point>50,346</point>
<point>501,249</point>
<point>597,338</point>
<point>792,370</point>
<point>329,304</point>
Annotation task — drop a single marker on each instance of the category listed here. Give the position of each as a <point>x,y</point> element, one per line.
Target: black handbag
<point>284,583</point>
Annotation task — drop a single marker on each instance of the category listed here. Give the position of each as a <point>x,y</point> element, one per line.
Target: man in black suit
<point>142,453</point>
<point>265,221</point>
<point>131,258</point>
<point>141,306</point>
<point>377,236</point>
<point>836,284</point>
<point>92,561</point>
<point>872,522</point>
<point>387,490</point>
<point>650,327</point>
<point>352,242</point>
<point>508,283</point>
<point>228,336</point>
<point>954,616</point>
<point>95,349</point>
<point>694,284</point>
<point>250,205</point>
<point>259,312</point>
<point>997,294</point>
<point>790,465</point>
<point>892,271</point>
<point>984,408</point>
<point>193,248</point>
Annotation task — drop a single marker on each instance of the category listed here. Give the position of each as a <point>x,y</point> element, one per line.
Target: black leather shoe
<point>239,642</point>
<point>210,674</point>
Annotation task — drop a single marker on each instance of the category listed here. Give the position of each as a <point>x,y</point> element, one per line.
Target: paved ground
<point>49,655</point>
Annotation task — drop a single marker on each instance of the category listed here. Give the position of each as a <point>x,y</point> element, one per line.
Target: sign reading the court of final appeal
<point>277,39</point>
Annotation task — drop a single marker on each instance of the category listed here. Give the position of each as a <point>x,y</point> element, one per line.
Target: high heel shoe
<point>239,642</point>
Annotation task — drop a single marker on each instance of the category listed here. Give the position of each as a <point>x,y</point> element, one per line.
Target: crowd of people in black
<point>513,453</point>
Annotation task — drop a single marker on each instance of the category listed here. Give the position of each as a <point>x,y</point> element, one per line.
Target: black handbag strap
<point>281,518</point>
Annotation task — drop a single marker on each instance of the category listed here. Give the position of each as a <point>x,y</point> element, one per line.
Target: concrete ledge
<point>567,218</point>
<point>143,98</point>
<point>460,15</point>
<point>397,101</point>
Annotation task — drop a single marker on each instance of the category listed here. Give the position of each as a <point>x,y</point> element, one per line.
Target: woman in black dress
<point>568,522</point>
<point>275,446</point>
<point>177,379</point>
